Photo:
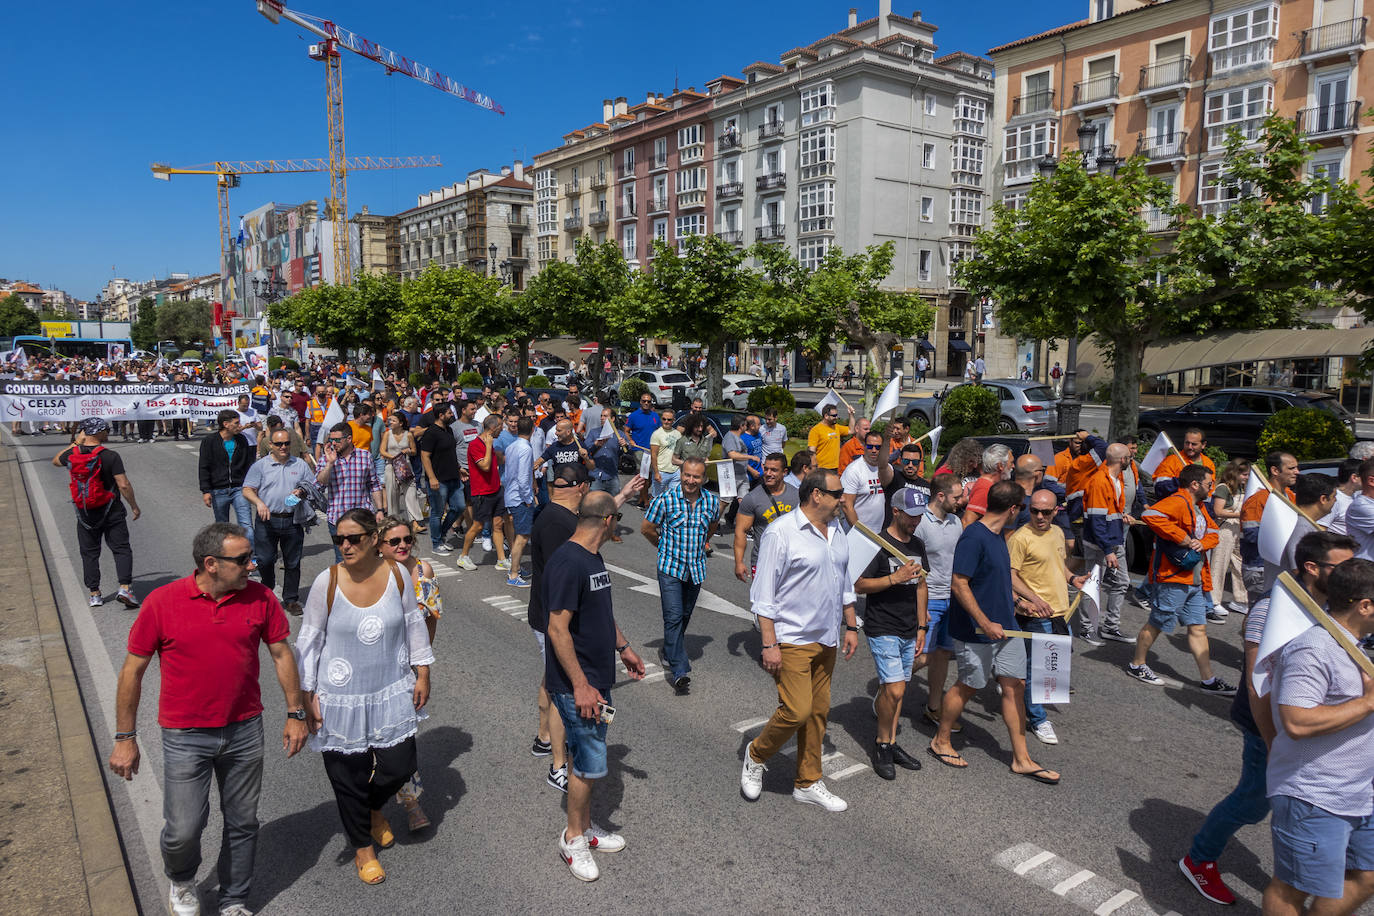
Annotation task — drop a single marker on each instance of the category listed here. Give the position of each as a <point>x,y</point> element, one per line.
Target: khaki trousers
<point>803,707</point>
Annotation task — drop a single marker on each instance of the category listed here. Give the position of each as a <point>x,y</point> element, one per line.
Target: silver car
<point>734,391</point>
<point>1027,407</point>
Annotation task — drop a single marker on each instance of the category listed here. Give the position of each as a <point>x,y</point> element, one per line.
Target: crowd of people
<point>979,549</point>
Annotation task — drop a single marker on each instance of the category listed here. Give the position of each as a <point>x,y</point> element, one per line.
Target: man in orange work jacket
<point>1190,452</point>
<point>1282,470</point>
<point>1180,581</point>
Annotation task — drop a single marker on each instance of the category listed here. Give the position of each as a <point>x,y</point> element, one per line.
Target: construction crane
<point>227,176</point>
<point>336,38</point>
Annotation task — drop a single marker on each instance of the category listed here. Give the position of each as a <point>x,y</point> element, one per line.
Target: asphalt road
<point>1141,765</point>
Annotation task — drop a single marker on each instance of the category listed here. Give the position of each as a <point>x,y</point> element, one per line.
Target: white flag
<point>646,470</point>
<point>830,398</point>
<point>1049,669</point>
<point>1092,589</point>
<point>1043,448</point>
<point>1157,453</point>
<point>862,550</point>
<point>890,397</point>
<point>334,415</point>
<point>725,479</point>
<point>1252,485</point>
<point>1276,528</point>
<point>934,436</point>
<point>256,358</point>
<point>1287,620</point>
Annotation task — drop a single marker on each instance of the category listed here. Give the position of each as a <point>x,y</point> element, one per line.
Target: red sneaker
<point>1205,877</point>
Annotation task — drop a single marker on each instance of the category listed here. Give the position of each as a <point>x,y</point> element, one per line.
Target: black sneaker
<point>541,748</point>
<point>882,761</point>
<point>1219,687</point>
<point>902,758</point>
<point>1091,638</point>
<point>558,778</point>
<point>683,685</point>
<point>1115,635</point>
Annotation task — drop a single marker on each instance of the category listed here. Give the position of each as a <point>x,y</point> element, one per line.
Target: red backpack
<point>88,487</point>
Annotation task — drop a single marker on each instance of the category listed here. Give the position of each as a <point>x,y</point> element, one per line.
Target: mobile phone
<point>605,712</point>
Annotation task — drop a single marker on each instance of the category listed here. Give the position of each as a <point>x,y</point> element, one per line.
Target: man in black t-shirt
<point>896,622</point>
<point>108,521</point>
<point>908,476</point>
<point>439,457</point>
<point>580,670</point>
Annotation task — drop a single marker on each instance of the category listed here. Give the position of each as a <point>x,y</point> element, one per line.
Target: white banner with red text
<point>57,401</point>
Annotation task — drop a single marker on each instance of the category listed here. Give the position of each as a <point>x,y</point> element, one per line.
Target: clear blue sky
<point>98,91</point>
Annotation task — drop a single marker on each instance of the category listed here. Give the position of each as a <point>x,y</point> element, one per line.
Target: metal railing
<point>660,162</point>
<point>598,181</point>
<point>1033,103</point>
<point>731,236</point>
<point>626,210</point>
<point>770,129</point>
<point>598,218</point>
<point>1334,36</point>
<point>1162,146</point>
<point>627,170</point>
<point>770,232</point>
<point>573,223</point>
<point>658,204</point>
<point>729,140</point>
<point>771,181</point>
<point>1166,73</point>
<point>1097,89</point>
<point>573,186</point>
<point>729,189</point>
<point>1329,119</point>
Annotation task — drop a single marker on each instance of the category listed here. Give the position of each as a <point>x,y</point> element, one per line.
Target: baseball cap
<point>92,426</point>
<point>909,500</point>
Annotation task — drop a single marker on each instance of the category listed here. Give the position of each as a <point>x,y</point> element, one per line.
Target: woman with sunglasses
<point>364,659</point>
<point>398,546</point>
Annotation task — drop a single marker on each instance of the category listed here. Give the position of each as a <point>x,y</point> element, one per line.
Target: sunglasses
<point>407,539</point>
<point>242,559</point>
<point>834,494</point>
<point>281,444</point>
<point>354,539</point>
<point>1044,511</point>
<point>337,439</point>
<point>911,461</point>
<point>615,515</point>
<point>868,447</point>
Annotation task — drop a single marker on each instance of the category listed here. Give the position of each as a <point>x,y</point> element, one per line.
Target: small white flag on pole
<point>646,469</point>
<point>862,550</point>
<point>1092,589</point>
<point>1049,668</point>
<point>1253,485</point>
<point>334,415</point>
<point>890,397</point>
<point>1157,453</point>
<point>1287,620</point>
<point>1043,448</point>
<point>830,398</point>
<point>255,358</point>
<point>725,479</point>
<point>934,436</point>
<point>1276,528</point>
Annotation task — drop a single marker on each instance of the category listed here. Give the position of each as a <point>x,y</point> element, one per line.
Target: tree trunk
<point>522,369</point>
<point>715,372</point>
<point>1128,356</point>
<point>594,369</point>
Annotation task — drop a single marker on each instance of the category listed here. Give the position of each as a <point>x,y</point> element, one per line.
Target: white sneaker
<point>1045,732</point>
<point>818,794</point>
<point>1237,607</point>
<point>235,909</point>
<point>751,777</point>
<point>577,855</point>
<point>183,899</point>
<point>465,562</point>
<point>601,841</point>
<point>486,543</point>
<point>503,565</point>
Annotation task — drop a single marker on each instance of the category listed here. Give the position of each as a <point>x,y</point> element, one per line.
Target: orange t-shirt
<point>362,434</point>
<point>853,448</point>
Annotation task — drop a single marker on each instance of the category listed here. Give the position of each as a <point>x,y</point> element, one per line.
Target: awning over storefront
<point>960,345</point>
<point>565,348</point>
<point>926,345</point>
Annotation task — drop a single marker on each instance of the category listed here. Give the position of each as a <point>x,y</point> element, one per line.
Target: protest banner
<point>66,401</point>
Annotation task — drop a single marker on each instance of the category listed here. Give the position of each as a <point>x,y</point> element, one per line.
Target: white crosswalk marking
<point>1085,889</point>
<point>835,765</point>
<point>509,604</point>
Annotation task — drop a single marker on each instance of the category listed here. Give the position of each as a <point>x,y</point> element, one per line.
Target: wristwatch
<point>296,714</point>
<point>851,629</point>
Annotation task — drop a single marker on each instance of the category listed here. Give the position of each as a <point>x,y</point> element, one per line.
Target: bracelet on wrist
<point>773,645</point>
<point>621,649</point>
<point>125,736</point>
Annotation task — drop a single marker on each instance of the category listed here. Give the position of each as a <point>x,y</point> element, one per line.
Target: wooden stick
<point>1254,469</point>
<point>1073,608</point>
<point>1021,633</point>
<point>881,542</point>
<point>1337,632</point>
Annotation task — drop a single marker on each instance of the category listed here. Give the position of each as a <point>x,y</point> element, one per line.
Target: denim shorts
<point>1313,848</point>
<point>893,657</point>
<point>586,737</point>
<point>980,662</point>
<point>1174,603</point>
<point>937,637</point>
<point>522,517</point>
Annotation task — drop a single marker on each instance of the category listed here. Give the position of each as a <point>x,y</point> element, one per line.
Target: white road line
<point>826,758</point>
<point>1072,881</point>
<point>706,600</point>
<point>447,572</point>
<point>1115,902</point>
<point>745,725</point>
<point>847,772</point>
<point>1034,861</point>
<point>183,445</point>
<point>650,678</point>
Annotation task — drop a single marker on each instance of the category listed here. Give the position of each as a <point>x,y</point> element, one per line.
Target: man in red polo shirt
<point>207,628</point>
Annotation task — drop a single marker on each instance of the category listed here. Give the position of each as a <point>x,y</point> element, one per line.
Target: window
<point>628,208</point>
<point>970,115</point>
<point>661,230</point>
<point>1216,191</point>
<point>1243,109</point>
<point>772,162</point>
<point>729,171</point>
<point>660,152</point>
<point>1244,38</point>
<point>923,265</point>
<point>817,104</point>
<point>546,214</point>
<point>690,143</point>
<point>959,251</point>
<point>1333,111</point>
<point>627,240</point>
<point>773,114</point>
<point>659,201</point>
<point>816,206</point>
<point>1037,90</point>
<point>730,220</point>
<point>967,164</point>
<point>927,155</point>
<point>810,252</point>
<point>691,180</point>
<point>544,180</point>
<point>630,159</point>
<point>1330,169</point>
<point>817,152</point>
<point>1014,200</point>
<point>1102,9</point>
<point>927,209</point>
<point>966,207</point>
<point>1027,144</point>
<point>930,103</point>
<point>692,224</point>
<point>545,250</point>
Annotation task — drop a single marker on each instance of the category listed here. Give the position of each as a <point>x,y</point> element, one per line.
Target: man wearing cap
<point>895,622</point>
<point>107,520</point>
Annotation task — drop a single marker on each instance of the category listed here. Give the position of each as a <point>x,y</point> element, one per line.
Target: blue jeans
<point>586,737</point>
<point>223,499</point>
<point>1247,804</point>
<point>1035,712</point>
<point>445,508</point>
<point>679,599</point>
<point>190,756</point>
<point>280,532</point>
<point>662,486</point>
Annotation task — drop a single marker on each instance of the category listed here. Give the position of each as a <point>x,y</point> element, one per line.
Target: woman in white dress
<point>364,657</point>
<point>398,447</point>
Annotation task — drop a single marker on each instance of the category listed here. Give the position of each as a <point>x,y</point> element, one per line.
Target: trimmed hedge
<point>969,410</point>
<point>1307,433</point>
<point>418,379</point>
<point>632,389</point>
<point>537,381</point>
<point>799,422</point>
<point>282,362</point>
<point>469,380</point>
<point>775,396</point>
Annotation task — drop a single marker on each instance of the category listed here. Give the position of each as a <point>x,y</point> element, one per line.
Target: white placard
<point>725,479</point>
<point>645,468</point>
<point>1049,680</point>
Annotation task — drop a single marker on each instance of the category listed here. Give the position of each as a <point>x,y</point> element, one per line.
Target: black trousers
<point>112,524</point>
<point>279,535</point>
<point>363,782</point>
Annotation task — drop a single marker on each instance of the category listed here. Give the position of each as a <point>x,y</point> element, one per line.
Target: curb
<point>109,889</point>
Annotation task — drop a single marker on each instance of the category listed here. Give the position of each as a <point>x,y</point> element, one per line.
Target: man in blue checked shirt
<point>679,522</point>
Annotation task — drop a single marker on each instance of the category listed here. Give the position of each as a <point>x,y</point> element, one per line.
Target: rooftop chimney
<point>884,10</point>
<point>916,16</point>
<point>649,100</point>
<point>853,16</point>
<point>622,105</point>
<point>607,109</point>
<point>505,171</point>
<point>519,170</point>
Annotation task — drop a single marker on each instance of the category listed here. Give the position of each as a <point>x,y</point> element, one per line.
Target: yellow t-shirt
<point>362,434</point>
<point>1038,556</point>
<point>824,442</point>
<point>665,439</point>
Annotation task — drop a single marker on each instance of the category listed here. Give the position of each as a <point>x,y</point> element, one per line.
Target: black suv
<point>1232,418</point>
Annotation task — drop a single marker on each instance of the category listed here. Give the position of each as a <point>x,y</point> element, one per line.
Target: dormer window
<point>1101,9</point>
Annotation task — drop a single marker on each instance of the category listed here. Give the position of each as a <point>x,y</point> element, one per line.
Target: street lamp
<point>491,250</point>
<point>270,289</point>
<point>505,266</point>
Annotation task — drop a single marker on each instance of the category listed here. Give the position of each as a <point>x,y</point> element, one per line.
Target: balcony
<point>572,223</point>
<point>1329,120</point>
<point>1157,220</point>
<point>691,200</point>
<point>598,219</point>
<point>816,224</point>
<point>629,250</point>
<point>658,204</point>
<point>817,170</point>
<point>627,170</point>
<point>770,130</point>
<point>729,190</point>
<point>573,187</point>
<point>598,181</point>
<point>1096,92</point>
<point>1033,103</point>
<point>520,223</point>
<point>1257,53</point>
<point>729,140</point>
<point>628,210</point>
<point>770,232</point>
<point>1336,39</point>
<point>970,127</point>
<point>731,236</point>
<point>691,154</point>
<point>773,181</point>
<point>965,178</point>
<point>1165,147</point>
<point>1166,76</point>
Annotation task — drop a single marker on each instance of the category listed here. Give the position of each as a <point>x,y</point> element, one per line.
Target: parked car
<point>1026,406</point>
<point>662,383</point>
<point>185,363</point>
<point>1232,418</point>
<point>734,393</point>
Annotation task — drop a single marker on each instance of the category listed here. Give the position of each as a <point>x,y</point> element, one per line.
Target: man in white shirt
<point>773,433</point>
<point>250,422</point>
<point>863,483</point>
<point>1347,485</point>
<point>1359,515</point>
<point>800,596</point>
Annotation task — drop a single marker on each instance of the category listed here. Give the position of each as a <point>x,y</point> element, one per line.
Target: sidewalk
<point>61,853</point>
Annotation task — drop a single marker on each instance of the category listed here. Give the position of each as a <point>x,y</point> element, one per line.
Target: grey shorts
<point>979,662</point>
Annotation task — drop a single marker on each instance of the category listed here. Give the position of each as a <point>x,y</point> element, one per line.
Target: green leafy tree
<point>1349,265</point>
<point>444,306</point>
<point>1306,433</point>
<point>363,316</point>
<point>16,318</point>
<point>970,410</point>
<point>1079,258</point>
<point>144,331</point>
<point>184,322</point>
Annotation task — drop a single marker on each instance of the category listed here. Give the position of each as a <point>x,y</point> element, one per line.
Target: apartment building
<point>574,180</point>
<point>379,239</point>
<point>482,223</point>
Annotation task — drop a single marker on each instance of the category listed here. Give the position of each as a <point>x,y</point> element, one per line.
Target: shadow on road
<point>1168,829</point>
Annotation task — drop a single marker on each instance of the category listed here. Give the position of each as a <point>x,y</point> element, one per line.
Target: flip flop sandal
<point>933,717</point>
<point>371,872</point>
<point>1040,775</point>
<point>946,758</point>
